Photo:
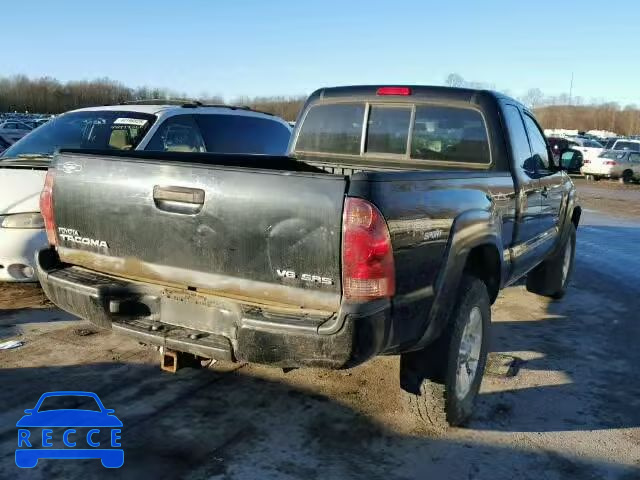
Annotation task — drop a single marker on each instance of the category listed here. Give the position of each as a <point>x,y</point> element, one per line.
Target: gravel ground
<point>571,411</point>
<point>610,196</point>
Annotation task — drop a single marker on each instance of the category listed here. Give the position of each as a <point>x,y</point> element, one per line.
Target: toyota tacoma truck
<point>389,229</point>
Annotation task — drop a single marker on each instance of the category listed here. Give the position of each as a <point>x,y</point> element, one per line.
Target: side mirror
<point>109,411</point>
<point>568,160</point>
<point>29,411</point>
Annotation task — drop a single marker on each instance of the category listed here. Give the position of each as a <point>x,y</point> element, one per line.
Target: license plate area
<point>199,312</point>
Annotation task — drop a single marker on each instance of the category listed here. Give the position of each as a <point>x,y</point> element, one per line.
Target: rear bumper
<point>600,172</point>
<point>216,327</point>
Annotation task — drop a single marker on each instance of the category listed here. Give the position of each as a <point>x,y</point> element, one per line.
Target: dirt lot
<point>572,411</point>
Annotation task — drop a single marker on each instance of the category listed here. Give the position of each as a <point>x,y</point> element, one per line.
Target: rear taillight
<point>368,270</point>
<point>609,162</point>
<point>46,208</point>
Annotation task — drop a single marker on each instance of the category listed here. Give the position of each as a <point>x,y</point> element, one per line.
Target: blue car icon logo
<point>77,419</point>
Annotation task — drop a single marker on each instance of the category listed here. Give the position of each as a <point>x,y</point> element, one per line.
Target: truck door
<point>551,180</point>
<point>529,230</point>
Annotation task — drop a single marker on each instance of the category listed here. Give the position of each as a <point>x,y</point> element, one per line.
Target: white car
<point>621,164</point>
<point>13,130</point>
<point>188,127</point>
<point>626,144</point>
<point>590,149</point>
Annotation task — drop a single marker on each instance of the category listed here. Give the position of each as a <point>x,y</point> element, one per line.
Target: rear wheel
<point>551,278</point>
<point>442,381</point>
<point>627,177</point>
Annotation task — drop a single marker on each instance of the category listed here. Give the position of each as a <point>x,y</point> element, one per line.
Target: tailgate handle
<point>184,200</point>
<point>194,196</point>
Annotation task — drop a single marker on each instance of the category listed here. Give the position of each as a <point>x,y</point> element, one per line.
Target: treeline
<point>48,95</point>
<point>609,117</point>
<point>565,111</point>
<point>285,107</point>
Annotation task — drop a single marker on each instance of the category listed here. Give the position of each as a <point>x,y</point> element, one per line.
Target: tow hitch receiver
<point>171,361</point>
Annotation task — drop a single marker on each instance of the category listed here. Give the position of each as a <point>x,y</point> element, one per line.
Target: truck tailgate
<point>267,236</point>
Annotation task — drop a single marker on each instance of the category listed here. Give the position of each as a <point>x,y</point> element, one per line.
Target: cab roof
<point>416,92</point>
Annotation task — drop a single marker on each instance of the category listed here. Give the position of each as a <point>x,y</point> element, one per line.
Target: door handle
<point>178,199</point>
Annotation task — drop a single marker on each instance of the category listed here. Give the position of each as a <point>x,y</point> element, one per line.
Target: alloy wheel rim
<point>469,353</point>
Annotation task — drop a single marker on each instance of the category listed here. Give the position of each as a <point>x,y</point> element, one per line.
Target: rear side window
<point>243,134</point>
<point>335,128</point>
<point>177,134</point>
<point>449,134</point>
<point>621,145</point>
<point>388,129</point>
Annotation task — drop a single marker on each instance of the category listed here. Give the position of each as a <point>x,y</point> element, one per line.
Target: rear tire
<point>551,278</point>
<point>627,177</point>
<point>442,381</point>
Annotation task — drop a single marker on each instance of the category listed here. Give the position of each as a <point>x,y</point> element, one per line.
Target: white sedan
<point>621,164</point>
<point>21,225</point>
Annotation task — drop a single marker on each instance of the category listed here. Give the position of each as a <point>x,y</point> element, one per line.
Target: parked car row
<point>616,158</point>
<point>621,161</point>
<point>15,126</point>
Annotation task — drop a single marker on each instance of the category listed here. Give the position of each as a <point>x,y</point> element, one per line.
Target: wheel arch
<point>475,246</point>
<point>483,262</point>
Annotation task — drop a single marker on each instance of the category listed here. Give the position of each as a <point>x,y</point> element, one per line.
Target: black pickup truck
<point>389,230</point>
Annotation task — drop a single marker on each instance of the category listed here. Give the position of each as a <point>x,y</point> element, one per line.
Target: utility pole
<point>571,88</point>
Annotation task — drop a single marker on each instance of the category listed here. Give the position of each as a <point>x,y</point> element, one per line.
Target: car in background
<point>626,144</point>
<point>623,165</point>
<point>607,143</point>
<point>590,149</point>
<point>559,145</point>
<point>38,122</point>
<point>181,127</point>
<point>4,144</point>
<point>13,130</point>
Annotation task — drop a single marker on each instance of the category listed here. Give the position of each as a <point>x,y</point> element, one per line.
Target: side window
<point>449,134</point>
<point>388,129</point>
<point>540,155</point>
<point>519,141</point>
<point>179,133</point>
<point>226,133</point>
<point>335,128</point>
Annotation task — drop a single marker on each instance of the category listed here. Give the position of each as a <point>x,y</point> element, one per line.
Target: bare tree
<point>533,97</point>
<point>454,80</point>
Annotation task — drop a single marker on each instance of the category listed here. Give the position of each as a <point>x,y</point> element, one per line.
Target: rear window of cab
<point>417,132</point>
